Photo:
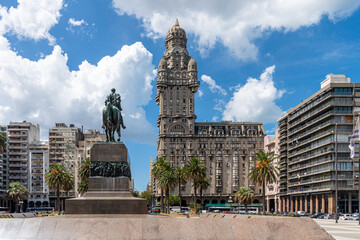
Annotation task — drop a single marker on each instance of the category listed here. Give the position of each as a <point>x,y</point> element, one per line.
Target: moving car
<point>354,217</point>
<point>328,216</point>
<point>317,215</point>
<point>345,216</point>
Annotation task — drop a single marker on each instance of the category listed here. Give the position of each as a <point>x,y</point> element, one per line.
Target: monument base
<point>106,205</point>
<point>107,194</point>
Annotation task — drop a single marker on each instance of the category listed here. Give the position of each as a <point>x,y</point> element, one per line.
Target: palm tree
<point>168,180</point>
<point>264,171</point>
<point>2,143</point>
<point>160,166</point>
<point>16,192</point>
<point>60,179</point>
<point>245,195</point>
<point>195,171</point>
<point>204,184</point>
<point>84,176</point>
<point>181,179</point>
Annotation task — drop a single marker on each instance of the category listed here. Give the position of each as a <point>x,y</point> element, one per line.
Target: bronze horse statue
<point>112,120</point>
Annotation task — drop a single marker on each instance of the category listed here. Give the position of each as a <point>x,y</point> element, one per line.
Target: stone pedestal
<point>109,184</point>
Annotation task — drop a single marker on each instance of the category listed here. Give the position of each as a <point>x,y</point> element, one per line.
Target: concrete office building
<point>313,136</point>
<point>20,136</point>
<point>63,142</point>
<point>226,148</point>
<point>3,167</point>
<point>38,165</point>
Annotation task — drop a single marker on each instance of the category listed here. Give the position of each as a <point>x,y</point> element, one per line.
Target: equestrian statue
<point>112,118</point>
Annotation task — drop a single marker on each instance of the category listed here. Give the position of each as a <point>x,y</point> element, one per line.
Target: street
<point>344,230</point>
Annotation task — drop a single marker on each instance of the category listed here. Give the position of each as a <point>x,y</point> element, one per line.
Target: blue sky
<point>256,59</point>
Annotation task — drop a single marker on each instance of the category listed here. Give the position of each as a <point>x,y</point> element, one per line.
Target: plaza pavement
<point>208,226</point>
<point>343,230</point>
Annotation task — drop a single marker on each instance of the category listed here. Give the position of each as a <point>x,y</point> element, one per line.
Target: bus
<point>233,208</point>
<point>41,210</point>
<point>4,210</point>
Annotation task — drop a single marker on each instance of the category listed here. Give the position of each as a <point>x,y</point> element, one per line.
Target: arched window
<point>177,130</point>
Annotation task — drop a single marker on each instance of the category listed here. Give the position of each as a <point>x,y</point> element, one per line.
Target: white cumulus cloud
<point>31,19</point>
<point>212,85</point>
<point>46,91</point>
<point>235,24</point>
<point>73,22</point>
<point>255,101</point>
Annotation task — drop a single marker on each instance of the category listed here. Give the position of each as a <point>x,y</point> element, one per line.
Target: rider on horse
<point>113,116</point>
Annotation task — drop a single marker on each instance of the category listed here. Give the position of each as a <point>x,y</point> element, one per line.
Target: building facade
<point>20,136</point>
<point>271,145</point>
<point>63,142</point>
<point>226,148</point>
<point>3,166</point>
<point>90,137</point>
<point>39,165</point>
<point>313,136</point>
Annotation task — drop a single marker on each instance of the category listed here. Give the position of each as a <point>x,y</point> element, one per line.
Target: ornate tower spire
<point>176,85</point>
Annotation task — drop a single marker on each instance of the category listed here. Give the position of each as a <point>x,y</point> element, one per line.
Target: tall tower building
<point>313,137</point>
<point>226,148</point>
<point>63,141</point>
<point>38,166</point>
<point>176,85</point>
<point>20,136</point>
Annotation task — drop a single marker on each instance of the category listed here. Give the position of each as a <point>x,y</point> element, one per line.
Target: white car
<point>345,217</point>
<point>301,213</point>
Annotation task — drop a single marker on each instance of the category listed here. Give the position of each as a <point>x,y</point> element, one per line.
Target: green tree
<point>16,192</point>
<point>204,184</point>
<point>84,174</point>
<point>160,166</point>
<point>174,200</point>
<point>148,196</point>
<point>168,180</point>
<point>2,143</point>
<point>195,171</point>
<point>245,195</point>
<point>135,194</point>
<point>263,171</point>
<point>181,179</point>
<point>58,178</point>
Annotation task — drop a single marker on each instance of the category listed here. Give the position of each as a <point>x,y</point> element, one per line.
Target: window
<point>344,91</point>
<point>177,129</point>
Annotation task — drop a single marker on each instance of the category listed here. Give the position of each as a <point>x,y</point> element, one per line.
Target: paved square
<point>344,230</point>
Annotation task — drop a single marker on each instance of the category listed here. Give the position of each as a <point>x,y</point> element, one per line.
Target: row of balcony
<point>310,156</point>
<point>319,179</point>
<point>295,143</point>
<point>333,102</point>
<point>309,123</point>
<point>313,146</point>
<point>312,113</point>
<point>313,189</point>
<point>309,106</point>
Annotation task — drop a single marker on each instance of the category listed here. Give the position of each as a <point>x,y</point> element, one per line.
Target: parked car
<point>345,216</point>
<point>328,216</point>
<point>354,217</point>
<point>317,215</point>
<point>301,213</point>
